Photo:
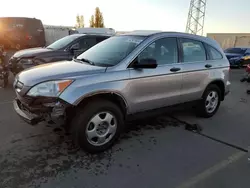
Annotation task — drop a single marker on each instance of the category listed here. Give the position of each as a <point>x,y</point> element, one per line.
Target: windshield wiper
<point>77,60</point>
<point>87,61</point>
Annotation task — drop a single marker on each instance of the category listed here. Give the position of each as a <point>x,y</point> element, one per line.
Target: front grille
<point>19,85</point>
<point>12,62</point>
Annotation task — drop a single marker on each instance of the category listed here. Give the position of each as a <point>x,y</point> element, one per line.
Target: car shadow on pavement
<point>34,159</point>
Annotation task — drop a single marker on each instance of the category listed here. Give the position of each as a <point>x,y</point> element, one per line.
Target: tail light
<point>28,37</point>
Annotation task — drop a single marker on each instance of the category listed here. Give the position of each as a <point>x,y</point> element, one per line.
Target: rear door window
<point>101,38</point>
<point>164,51</point>
<point>87,42</point>
<point>193,50</point>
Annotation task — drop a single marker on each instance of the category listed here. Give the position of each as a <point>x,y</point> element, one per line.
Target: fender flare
<point>102,92</point>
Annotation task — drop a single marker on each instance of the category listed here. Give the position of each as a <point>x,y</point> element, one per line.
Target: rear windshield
<point>235,50</point>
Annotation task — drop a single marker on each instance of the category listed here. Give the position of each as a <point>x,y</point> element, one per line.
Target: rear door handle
<point>208,66</point>
<point>175,69</point>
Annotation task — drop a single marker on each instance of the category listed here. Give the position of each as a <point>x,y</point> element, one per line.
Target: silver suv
<point>123,75</point>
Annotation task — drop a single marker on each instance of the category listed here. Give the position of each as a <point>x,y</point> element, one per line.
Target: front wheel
<point>210,102</point>
<point>97,125</point>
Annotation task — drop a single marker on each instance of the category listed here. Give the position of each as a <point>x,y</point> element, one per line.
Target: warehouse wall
<point>227,40</point>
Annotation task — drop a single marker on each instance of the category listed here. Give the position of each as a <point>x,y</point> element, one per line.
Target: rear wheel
<point>210,102</point>
<point>97,125</point>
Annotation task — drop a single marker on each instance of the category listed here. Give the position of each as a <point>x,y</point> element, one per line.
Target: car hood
<point>55,71</point>
<point>32,52</point>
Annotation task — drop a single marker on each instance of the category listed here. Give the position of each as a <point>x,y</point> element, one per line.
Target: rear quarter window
<point>213,54</point>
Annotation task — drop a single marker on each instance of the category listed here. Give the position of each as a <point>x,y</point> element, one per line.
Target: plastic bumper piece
<point>32,119</point>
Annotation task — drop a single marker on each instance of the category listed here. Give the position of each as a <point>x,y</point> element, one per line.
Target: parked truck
<point>53,33</point>
<point>21,32</point>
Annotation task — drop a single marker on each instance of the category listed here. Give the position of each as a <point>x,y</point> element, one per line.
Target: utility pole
<point>196,17</point>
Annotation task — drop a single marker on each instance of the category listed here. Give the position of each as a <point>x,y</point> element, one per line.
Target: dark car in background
<point>63,49</point>
<point>21,32</point>
<point>238,56</point>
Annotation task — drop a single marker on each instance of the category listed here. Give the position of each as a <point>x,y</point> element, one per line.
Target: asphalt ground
<point>154,152</point>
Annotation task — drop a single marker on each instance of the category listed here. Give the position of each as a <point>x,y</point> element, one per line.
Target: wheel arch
<point>112,96</point>
<point>220,84</point>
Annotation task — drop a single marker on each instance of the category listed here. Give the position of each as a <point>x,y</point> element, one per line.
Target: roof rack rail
<point>90,30</point>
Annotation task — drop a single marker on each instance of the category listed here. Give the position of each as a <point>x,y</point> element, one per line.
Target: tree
<point>92,21</point>
<point>97,20</point>
<point>79,21</point>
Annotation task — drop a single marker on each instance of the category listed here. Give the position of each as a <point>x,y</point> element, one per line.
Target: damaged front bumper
<point>55,111</point>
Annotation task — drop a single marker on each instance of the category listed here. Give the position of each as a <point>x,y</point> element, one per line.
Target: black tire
<point>80,122</point>
<point>243,79</point>
<point>201,108</point>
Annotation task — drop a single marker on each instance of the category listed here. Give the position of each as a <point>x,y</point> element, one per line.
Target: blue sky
<point>126,15</point>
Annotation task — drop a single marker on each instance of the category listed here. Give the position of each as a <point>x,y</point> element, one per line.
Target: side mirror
<point>74,47</point>
<point>146,64</point>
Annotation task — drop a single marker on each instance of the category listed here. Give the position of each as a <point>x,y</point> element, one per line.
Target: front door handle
<point>175,69</point>
<point>208,66</point>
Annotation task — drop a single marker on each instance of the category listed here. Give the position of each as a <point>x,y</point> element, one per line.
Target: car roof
<point>149,33</point>
<point>243,48</point>
<point>16,18</point>
<point>142,32</point>
<point>91,34</point>
<point>155,33</point>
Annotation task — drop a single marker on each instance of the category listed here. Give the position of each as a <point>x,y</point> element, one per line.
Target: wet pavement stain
<point>30,161</point>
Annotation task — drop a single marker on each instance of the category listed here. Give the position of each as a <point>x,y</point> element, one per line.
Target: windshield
<point>63,42</point>
<point>111,51</point>
<point>235,50</point>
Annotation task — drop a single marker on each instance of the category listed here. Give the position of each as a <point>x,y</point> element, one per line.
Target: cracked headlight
<point>50,88</point>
